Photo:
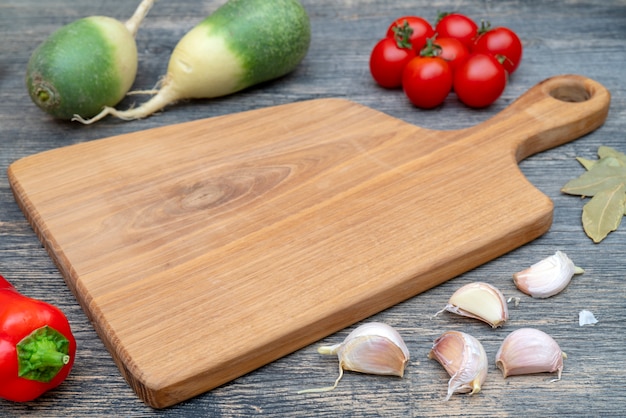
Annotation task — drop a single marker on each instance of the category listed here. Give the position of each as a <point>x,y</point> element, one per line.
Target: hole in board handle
<point>572,93</point>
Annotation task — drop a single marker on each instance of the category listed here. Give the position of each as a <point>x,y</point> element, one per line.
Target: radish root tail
<point>162,98</point>
<point>142,10</point>
<point>138,92</point>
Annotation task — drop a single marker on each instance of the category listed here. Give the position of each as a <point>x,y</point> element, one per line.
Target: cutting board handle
<point>553,112</point>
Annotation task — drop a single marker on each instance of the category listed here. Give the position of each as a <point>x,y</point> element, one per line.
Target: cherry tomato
<point>387,62</point>
<point>453,51</point>
<point>480,80</point>
<point>458,26</point>
<point>421,31</point>
<point>503,42</point>
<point>427,81</point>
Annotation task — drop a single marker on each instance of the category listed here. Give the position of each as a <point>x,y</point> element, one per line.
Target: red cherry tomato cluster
<point>455,55</point>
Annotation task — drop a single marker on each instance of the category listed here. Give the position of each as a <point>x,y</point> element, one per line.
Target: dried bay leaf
<point>607,161</point>
<point>612,162</point>
<point>588,164</point>
<point>604,212</point>
<point>605,180</point>
<point>599,177</point>
<point>604,152</point>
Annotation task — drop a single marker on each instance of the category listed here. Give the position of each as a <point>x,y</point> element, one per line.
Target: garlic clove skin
<point>547,277</point>
<point>528,351</point>
<point>480,301</point>
<point>586,318</point>
<point>465,360</point>
<point>373,348</point>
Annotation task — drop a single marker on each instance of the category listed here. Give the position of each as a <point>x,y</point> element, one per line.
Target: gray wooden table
<point>581,37</point>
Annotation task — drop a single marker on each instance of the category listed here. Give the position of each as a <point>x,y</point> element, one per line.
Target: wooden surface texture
<point>259,213</point>
<point>560,37</point>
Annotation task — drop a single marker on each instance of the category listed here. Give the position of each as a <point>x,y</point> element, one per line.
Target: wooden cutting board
<point>204,250</point>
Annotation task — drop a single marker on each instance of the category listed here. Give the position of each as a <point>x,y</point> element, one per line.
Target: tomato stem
<point>402,35</point>
<point>42,354</point>
<point>431,49</point>
<point>441,15</point>
<point>485,26</point>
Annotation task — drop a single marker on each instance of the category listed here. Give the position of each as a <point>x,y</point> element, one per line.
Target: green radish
<point>85,65</point>
<point>242,43</point>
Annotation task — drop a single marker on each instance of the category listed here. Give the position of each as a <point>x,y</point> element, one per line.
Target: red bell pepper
<point>37,348</point>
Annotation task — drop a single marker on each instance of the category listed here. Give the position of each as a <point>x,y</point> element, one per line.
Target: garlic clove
<point>547,277</point>
<point>480,301</point>
<point>465,360</point>
<point>528,351</point>
<point>372,348</point>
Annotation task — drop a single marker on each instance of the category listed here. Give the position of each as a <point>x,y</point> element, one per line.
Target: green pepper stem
<point>42,354</point>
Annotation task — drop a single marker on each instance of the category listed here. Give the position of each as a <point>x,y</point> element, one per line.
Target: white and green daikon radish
<point>242,43</point>
<point>85,65</point>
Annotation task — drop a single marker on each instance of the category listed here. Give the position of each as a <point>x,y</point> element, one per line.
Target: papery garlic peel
<point>547,277</point>
<point>528,351</point>
<point>372,348</point>
<point>465,360</point>
<point>586,318</point>
<point>480,301</point>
